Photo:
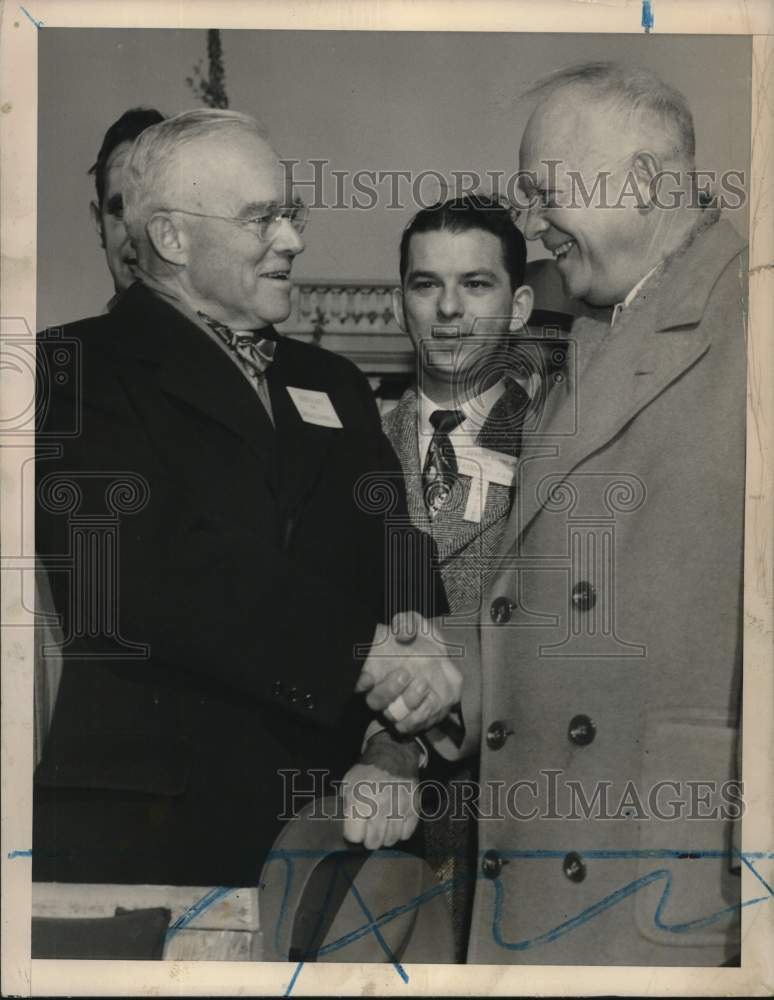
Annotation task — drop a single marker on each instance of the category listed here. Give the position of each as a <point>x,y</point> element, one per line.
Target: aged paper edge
<point>18,138</point>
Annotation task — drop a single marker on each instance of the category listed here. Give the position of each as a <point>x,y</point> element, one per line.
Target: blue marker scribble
<point>281,856</point>
<point>293,979</point>
<point>605,904</point>
<point>339,871</point>
<point>647,16</point>
<point>196,908</point>
<point>373,925</point>
<point>745,858</point>
<point>38,24</point>
<point>377,933</point>
<point>386,917</point>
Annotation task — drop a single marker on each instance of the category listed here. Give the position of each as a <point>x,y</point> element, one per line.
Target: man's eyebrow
<point>413,275</point>
<point>254,208</point>
<point>480,272</point>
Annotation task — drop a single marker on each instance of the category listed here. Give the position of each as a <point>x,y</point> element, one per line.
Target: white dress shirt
<point>619,307</point>
<point>476,410</point>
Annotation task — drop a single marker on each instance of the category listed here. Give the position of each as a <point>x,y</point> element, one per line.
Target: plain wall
<point>362,100</point>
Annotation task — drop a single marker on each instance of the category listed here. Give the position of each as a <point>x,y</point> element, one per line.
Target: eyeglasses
<point>266,225</point>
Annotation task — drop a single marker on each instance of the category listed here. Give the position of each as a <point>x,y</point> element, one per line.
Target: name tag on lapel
<point>484,467</point>
<point>314,407</point>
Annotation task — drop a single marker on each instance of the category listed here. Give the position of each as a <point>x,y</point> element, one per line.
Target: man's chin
<point>268,317</point>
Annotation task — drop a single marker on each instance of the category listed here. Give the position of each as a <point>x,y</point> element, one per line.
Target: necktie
<point>440,469</point>
<point>255,353</point>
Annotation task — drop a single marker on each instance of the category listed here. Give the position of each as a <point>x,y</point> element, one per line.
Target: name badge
<point>484,467</point>
<point>314,407</point>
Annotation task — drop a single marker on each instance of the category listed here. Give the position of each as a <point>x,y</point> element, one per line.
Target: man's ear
<point>397,308</point>
<point>521,307</point>
<point>96,218</point>
<point>169,240</point>
<point>646,169</point>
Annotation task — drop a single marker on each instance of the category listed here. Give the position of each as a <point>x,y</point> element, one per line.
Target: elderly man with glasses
<point>219,690</point>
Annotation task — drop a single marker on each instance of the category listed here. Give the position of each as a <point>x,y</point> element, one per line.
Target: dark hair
<point>125,129</point>
<point>473,211</point>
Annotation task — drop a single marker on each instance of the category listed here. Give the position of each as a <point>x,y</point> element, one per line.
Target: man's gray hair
<point>634,92</point>
<point>147,172</point>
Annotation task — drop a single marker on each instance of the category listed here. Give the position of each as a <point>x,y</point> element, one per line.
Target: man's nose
<point>288,239</point>
<point>533,223</point>
<point>450,304</point>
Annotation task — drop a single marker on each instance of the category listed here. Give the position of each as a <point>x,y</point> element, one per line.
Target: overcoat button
<point>500,610</point>
<point>293,694</point>
<point>276,689</point>
<point>573,867</point>
<point>581,730</point>
<point>492,864</point>
<point>496,735</point>
<point>308,701</point>
<point>583,596</point>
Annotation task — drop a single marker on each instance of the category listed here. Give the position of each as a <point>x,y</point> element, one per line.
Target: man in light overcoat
<point>609,643</point>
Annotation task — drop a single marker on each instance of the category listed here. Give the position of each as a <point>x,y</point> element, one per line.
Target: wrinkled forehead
<point>223,173</point>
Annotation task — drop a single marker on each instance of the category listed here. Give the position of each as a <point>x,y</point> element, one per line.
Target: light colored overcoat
<point>610,641</point>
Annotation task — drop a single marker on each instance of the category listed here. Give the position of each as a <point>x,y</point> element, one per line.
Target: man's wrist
<point>400,757</point>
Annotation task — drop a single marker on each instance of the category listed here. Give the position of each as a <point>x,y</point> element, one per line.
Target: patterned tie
<point>440,470</point>
<point>255,353</point>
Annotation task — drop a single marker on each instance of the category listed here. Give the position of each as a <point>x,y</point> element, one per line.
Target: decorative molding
<point>353,318</point>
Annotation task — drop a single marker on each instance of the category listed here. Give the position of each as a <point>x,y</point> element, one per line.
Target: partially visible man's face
<point>109,219</point>
<point>599,250</point>
<point>457,301</point>
<point>234,275</point>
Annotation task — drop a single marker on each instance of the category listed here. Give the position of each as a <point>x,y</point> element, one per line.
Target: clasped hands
<point>408,677</point>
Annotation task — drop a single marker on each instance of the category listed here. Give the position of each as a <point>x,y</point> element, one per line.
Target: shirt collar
<point>619,307</point>
<point>179,303</point>
<point>476,409</point>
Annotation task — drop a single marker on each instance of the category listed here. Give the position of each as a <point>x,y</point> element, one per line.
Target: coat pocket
<point>689,773</point>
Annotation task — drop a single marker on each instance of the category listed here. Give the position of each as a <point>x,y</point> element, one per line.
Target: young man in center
<point>458,431</point>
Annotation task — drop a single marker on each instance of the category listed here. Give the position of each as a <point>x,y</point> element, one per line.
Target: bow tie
<point>254,352</point>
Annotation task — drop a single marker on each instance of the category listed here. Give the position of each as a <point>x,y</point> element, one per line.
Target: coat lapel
<point>191,367</point>
<point>501,433</point>
<point>620,370</point>
<point>400,426</point>
<point>302,446</point>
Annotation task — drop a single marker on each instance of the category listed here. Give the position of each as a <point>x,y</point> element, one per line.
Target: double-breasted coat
<point>610,651</point>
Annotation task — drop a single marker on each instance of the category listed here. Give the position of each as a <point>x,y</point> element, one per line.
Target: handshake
<point>408,677</point>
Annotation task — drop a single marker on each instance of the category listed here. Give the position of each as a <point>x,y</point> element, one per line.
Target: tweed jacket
<point>609,643</point>
<point>465,547</point>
